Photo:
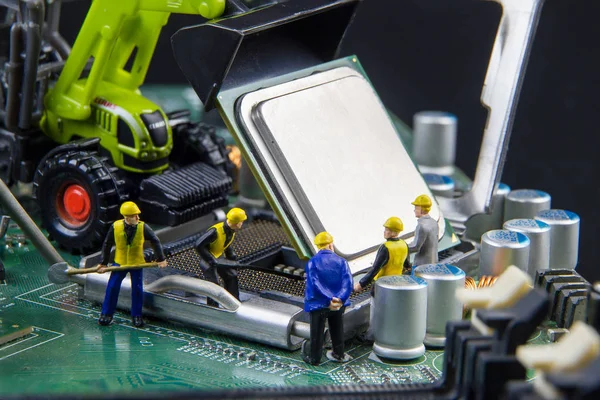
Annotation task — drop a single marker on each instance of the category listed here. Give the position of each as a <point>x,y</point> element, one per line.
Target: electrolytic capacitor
<point>434,141</point>
<point>399,316</point>
<point>525,203</point>
<point>538,233</point>
<point>501,249</point>
<point>442,303</point>
<point>564,237</point>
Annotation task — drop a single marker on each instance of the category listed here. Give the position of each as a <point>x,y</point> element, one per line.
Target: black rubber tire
<point>103,185</point>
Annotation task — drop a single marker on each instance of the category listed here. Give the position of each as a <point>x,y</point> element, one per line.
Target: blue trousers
<point>114,287</point>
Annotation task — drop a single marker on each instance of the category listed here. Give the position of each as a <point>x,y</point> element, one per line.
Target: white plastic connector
<point>573,351</point>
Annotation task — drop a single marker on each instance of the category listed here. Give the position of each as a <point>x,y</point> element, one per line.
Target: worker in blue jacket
<point>328,287</point>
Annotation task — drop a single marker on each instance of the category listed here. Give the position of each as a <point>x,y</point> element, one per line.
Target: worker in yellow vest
<point>128,236</point>
<point>391,259</point>
<point>216,242</point>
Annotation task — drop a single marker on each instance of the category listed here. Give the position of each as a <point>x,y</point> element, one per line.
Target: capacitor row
<point>411,311</point>
<point>550,240</point>
<point>532,236</point>
<point>521,228</point>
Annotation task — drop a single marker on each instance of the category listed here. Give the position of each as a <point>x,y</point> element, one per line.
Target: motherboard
<point>51,344</point>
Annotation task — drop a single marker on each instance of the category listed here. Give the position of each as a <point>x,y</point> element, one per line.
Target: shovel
<point>60,272</point>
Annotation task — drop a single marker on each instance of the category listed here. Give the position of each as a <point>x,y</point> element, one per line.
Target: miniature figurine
<point>328,288</point>
<point>128,235</point>
<point>425,243</point>
<point>390,257</point>
<point>216,241</point>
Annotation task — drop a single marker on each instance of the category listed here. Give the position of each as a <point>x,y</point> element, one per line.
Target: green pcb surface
<point>69,353</point>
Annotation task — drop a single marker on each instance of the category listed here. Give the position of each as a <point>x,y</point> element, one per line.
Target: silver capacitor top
<point>538,233</point>
<point>500,249</point>
<point>434,141</point>
<point>525,203</point>
<point>564,237</point>
<point>399,316</point>
<point>442,303</point>
<point>440,185</point>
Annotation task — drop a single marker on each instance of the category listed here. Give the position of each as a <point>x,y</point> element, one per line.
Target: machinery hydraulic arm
<point>112,31</point>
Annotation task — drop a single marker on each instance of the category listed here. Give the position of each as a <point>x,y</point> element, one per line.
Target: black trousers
<point>317,328</point>
<point>228,275</point>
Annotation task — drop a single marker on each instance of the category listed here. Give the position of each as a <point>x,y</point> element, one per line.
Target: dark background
<point>433,55</point>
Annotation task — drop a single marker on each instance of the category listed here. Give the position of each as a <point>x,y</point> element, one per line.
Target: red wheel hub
<point>74,204</point>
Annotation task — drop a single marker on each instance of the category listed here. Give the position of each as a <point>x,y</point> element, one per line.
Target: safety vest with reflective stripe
<point>218,246</point>
<point>129,254</point>
<point>397,250</point>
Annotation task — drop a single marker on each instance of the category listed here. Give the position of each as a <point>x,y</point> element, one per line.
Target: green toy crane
<point>107,103</point>
<point>103,142</point>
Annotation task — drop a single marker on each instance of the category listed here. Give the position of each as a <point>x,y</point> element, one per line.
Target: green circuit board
<point>67,352</point>
<point>51,343</point>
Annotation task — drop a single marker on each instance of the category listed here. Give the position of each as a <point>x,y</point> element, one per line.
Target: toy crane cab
<point>114,144</point>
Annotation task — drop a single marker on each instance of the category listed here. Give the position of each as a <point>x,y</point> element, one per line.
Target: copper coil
<point>486,281</point>
<point>470,283</point>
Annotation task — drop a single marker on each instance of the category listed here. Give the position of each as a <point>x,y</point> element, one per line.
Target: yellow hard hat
<point>236,215</point>
<point>422,200</point>
<point>323,239</point>
<point>395,224</point>
<point>129,208</point>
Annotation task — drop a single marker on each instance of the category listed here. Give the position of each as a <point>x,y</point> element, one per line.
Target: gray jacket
<point>426,241</point>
